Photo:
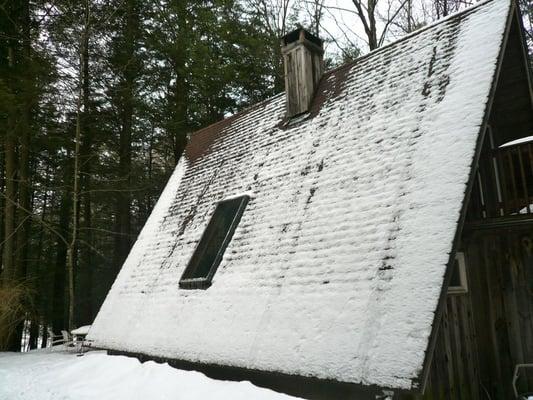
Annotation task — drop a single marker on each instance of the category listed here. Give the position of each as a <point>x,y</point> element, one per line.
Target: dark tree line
<point>97,98</point>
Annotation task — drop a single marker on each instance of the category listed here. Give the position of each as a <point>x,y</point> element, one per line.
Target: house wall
<point>487,331</point>
<point>502,295</point>
<point>455,369</point>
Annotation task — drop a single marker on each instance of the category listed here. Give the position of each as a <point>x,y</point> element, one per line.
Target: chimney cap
<point>301,35</point>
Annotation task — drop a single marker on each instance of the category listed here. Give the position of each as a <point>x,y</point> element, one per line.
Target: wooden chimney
<point>304,65</point>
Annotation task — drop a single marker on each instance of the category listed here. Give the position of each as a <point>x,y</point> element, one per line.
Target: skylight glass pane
<point>210,249</point>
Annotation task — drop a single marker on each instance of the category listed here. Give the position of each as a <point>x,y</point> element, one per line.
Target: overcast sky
<point>341,23</point>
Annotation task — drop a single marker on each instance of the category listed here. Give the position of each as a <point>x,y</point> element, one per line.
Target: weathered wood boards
<point>303,69</point>
<point>489,330</point>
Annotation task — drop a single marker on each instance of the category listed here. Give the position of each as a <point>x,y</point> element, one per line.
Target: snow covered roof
<point>336,267</point>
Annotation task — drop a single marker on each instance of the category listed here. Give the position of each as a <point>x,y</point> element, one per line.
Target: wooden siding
<point>486,332</point>
<point>454,371</point>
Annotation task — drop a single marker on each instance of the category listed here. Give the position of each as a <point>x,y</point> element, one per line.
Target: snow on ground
<point>82,330</point>
<point>46,374</point>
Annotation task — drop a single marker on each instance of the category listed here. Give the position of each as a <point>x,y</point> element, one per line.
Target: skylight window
<point>216,237</point>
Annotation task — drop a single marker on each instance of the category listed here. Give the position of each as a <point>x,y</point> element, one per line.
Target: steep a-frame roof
<point>337,265</point>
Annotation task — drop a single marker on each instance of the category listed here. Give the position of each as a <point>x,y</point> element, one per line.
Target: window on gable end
<point>213,243</point>
<point>458,283</point>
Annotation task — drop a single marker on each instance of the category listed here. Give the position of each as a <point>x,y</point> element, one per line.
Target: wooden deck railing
<point>504,183</point>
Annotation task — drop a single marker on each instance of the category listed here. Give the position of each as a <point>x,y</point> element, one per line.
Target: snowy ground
<point>45,374</point>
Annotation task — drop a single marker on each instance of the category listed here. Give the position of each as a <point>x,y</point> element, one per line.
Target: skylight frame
<point>189,278</point>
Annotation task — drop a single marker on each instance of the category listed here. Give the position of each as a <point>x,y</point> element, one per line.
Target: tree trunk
<point>72,246</point>
<point>2,200</point>
<point>24,219</point>
<point>8,272</point>
<point>44,338</point>
<point>367,15</point>
<point>24,128</point>
<point>42,299</point>
<point>150,168</point>
<point>372,32</point>
<point>9,267</point>
<point>127,99</point>
<point>84,277</point>
<point>34,334</point>
<point>180,133</point>
<point>181,89</point>
<point>23,233</point>
<point>59,314</point>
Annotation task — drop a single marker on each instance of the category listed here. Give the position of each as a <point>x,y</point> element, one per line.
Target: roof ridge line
<point>354,62</point>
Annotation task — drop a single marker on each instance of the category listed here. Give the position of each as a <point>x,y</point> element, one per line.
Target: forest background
<point>97,100</point>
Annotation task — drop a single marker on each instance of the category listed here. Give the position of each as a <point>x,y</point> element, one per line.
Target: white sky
<point>341,22</point>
